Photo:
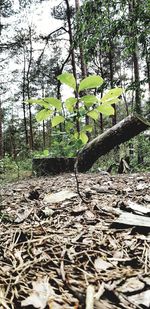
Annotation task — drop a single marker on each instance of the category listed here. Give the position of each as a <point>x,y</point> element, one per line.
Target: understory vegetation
<point>16,169</point>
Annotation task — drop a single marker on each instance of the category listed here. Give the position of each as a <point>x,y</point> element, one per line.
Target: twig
<point>90,297</point>
<point>77,181</point>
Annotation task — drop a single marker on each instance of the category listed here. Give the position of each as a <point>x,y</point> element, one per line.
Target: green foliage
<point>93,114</point>
<point>111,97</point>
<point>91,82</point>
<point>12,170</point>
<point>67,79</point>
<point>88,105</point>
<point>115,36</point>
<point>106,109</point>
<point>137,145</point>
<point>140,158</point>
<point>43,114</point>
<point>89,100</point>
<point>41,154</point>
<point>57,120</point>
<point>70,103</point>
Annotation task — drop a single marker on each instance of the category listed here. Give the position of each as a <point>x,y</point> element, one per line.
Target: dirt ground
<point>60,251</point>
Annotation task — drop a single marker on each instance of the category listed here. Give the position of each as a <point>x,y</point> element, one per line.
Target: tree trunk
<point>71,39</point>
<point>44,136</point>
<point>148,66</point>
<point>28,76</point>
<point>73,62</point>
<point>119,133</point>
<point>83,65</point>
<point>114,120</point>
<point>23,101</point>
<point>12,140</point>
<point>134,35</point>
<point>1,133</point>
<point>137,106</point>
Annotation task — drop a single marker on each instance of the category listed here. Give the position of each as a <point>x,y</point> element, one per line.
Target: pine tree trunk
<point>83,64</point>
<point>148,66</point>
<point>137,106</point>
<point>30,127</point>
<point>44,136</point>
<point>12,140</point>
<point>134,33</point>
<point>23,103</point>
<point>28,90</point>
<point>114,119</point>
<point>68,14</point>
<point>1,132</point>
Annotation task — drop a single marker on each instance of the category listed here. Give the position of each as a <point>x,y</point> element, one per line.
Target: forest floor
<point>57,251</point>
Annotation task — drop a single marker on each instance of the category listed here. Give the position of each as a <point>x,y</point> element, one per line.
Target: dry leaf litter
<point>58,252</point>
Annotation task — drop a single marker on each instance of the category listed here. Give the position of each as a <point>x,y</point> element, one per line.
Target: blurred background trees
<point>40,39</point>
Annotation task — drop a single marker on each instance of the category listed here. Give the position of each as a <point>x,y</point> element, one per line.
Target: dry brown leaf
<point>89,215</point>
<point>42,292</point>
<point>141,299</point>
<point>131,284</point>
<point>101,264</point>
<point>59,196</point>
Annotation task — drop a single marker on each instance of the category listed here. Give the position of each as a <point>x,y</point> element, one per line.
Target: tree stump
<point>52,166</point>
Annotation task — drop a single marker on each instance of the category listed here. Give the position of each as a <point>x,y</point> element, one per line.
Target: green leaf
<point>93,114</point>
<point>54,102</point>
<point>67,79</point>
<point>70,102</point>
<point>82,111</point>
<point>46,152</point>
<point>87,128</point>
<point>89,100</point>
<point>91,82</point>
<point>106,109</point>
<point>76,135</point>
<point>110,101</point>
<point>83,136</point>
<point>111,94</point>
<point>37,101</point>
<point>43,104</point>
<point>43,114</point>
<point>57,120</point>
<point>69,125</point>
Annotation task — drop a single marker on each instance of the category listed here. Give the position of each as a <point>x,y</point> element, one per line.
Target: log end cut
<point>52,166</point>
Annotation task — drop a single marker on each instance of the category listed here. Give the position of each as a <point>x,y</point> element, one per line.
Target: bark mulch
<point>58,252</point>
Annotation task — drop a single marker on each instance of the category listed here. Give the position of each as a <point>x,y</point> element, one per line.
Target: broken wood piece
<point>90,297</point>
<point>131,219</point>
<point>137,208</point>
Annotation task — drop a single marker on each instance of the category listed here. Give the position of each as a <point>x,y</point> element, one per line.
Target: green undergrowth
<point>137,149</point>
<point>13,170</point>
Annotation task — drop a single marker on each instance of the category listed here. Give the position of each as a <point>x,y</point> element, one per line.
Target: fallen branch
<point>119,133</point>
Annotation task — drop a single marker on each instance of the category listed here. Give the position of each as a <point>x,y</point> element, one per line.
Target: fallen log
<point>103,143</point>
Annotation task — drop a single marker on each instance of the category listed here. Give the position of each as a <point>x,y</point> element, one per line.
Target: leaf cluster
<point>88,105</point>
